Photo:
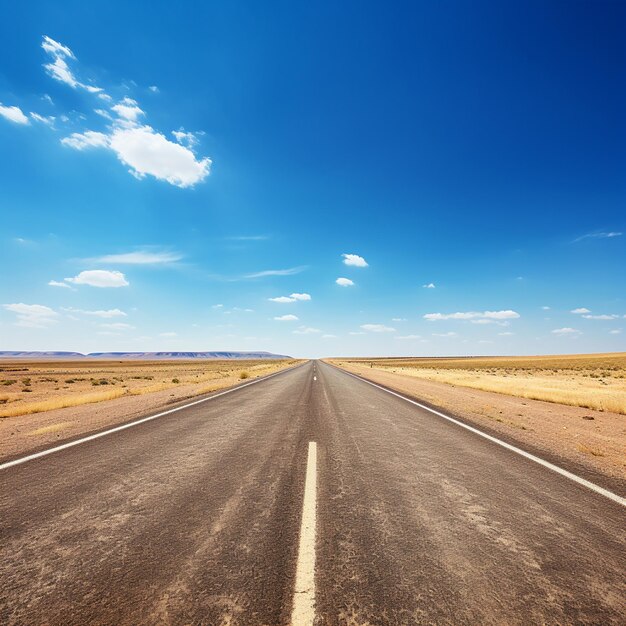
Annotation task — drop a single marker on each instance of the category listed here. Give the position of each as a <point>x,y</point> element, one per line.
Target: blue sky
<point>169,171</point>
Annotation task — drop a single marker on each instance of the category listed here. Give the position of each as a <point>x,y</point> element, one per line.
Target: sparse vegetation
<point>138,377</point>
<point>596,381</point>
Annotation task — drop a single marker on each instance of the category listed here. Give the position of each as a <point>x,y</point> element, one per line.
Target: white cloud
<point>148,152</point>
<point>102,113</point>
<point>306,330</point>
<point>471,315</point>
<point>580,311</point>
<point>356,333</point>
<point>354,259</point>
<point>601,317</point>
<point>294,297</point>
<point>43,119</point>
<point>140,257</point>
<point>105,314</point>
<point>344,282</point>
<point>288,272</point>
<point>128,109</point>
<point>286,318</point>
<point>88,139</point>
<point>616,331</point>
<point>99,278</point>
<point>13,114</point>
<point>449,334</point>
<point>599,235</point>
<point>153,89</point>
<point>32,315</point>
<point>186,138</point>
<point>170,334</point>
<point>398,319</point>
<point>217,306</point>
<point>56,283</point>
<point>117,326</point>
<point>506,334</point>
<point>377,328</point>
<point>429,286</point>
<point>545,308</point>
<point>565,331</point>
<point>55,48</point>
<point>329,336</point>
<point>408,337</point>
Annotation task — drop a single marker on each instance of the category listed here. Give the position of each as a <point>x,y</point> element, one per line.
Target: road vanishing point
<point>308,497</point>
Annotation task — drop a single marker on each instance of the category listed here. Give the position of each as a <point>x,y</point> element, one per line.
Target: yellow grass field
<point>594,381</point>
<point>36,386</point>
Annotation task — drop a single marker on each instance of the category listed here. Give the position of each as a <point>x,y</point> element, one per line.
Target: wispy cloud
<point>32,315</point>
<point>306,330</point>
<point>248,237</point>
<point>140,257</point>
<point>105,314</point>
<point>580,311</point>
<point>566,331</point>
<point>287,272</point>
<point>448,334</point>
<point>599,235</point>
<point>56,283</point>
<point>429,286</point>
<point>601,317</point>
<point>408,337</point>
<point>473,315</point>
<point>377,328</point>
<point>286,318</point>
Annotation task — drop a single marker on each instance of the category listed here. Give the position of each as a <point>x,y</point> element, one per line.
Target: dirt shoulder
<point>25,434</point>
<point>595,440</point>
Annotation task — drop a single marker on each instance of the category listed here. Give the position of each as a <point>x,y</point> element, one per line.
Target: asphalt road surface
<point>309,497</point>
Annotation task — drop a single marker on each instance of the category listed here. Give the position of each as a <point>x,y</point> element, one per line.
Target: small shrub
<point>175,380</point>
<point>244,375</point>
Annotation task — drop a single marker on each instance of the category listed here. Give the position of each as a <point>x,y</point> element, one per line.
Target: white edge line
<point>116,429</point>
<point>303,612</point>
<point>555,468</point>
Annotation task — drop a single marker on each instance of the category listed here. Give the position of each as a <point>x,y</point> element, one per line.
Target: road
<point>196,517</point>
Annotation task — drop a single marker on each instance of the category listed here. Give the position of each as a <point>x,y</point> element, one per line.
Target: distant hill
<point>148,356</point>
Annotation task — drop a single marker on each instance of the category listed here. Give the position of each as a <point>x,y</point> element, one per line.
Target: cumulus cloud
<point>344,282</point>
<point>354,259</point>
<point>148,152</point>
<point>88,139</point>
<point>429,286</point>
<point>56,283</point>
<point>566,331</point>
<point>580,311</point>
<point>99,278</point>
<point>144,150</point>
<point>128,109</point>
<point>13,114</point>
<point>286,318</point>
<point>473,315</point>
<point>306,330</point>
<point>294,297</point>
<point>140,257</point>
<point>32,315</point>
<point>377,328</point>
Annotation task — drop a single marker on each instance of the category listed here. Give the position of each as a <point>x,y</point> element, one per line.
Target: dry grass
<point>594,381</point>
<point>59,384</point>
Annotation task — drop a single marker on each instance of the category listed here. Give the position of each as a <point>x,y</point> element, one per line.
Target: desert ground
<point>45,401</point>
<point>571,407</point>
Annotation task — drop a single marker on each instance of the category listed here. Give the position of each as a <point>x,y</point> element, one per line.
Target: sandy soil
<point>594,439</point>
<point>24,433</point>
